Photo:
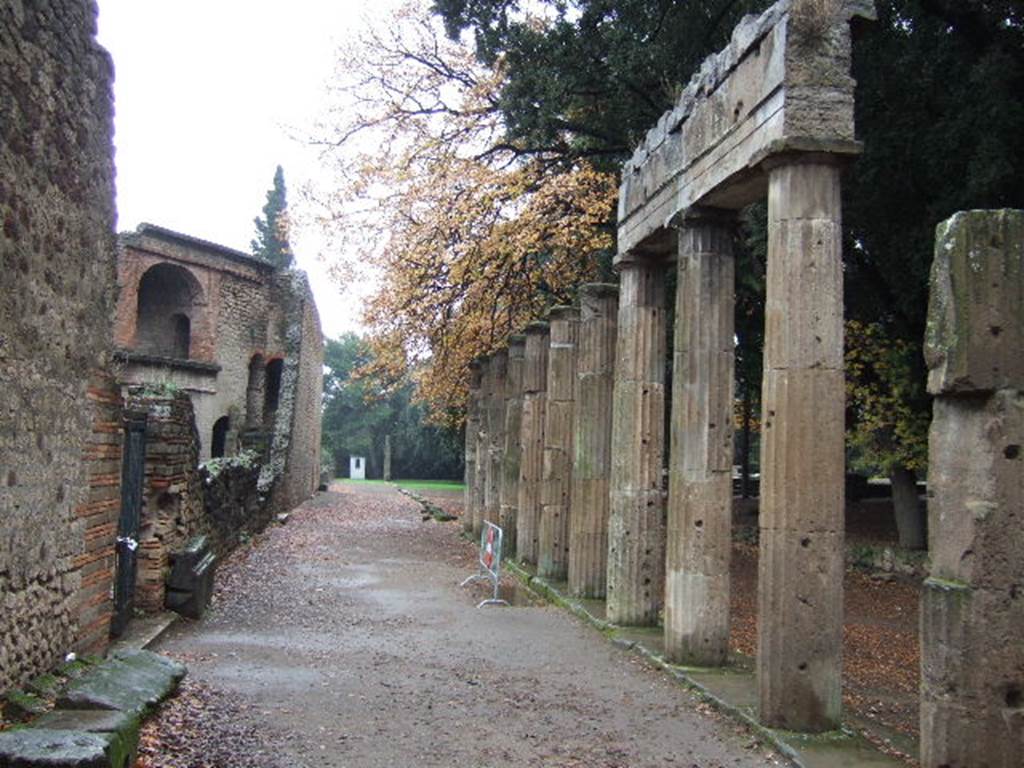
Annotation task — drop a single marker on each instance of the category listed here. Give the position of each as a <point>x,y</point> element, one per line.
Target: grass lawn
<point>412,485</point>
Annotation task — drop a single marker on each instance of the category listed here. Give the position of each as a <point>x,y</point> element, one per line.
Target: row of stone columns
<point>599,517</point>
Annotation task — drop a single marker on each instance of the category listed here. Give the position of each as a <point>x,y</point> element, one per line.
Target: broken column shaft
<point>495,436</point>
<point>513,429</point>
<point>699,536</point>
<point>556,489</point>
<point>800,586</point>
<point>592,421</point>
<point>472,432</point>
<point>972,606</point>
<point>531,462</point>
<point>636,531</point>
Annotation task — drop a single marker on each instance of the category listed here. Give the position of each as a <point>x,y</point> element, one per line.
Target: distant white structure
<point>357,467</point>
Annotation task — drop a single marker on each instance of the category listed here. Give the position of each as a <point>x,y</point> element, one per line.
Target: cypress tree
<point>271,241</point>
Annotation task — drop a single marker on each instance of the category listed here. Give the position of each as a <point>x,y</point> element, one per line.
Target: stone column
<point>472,430</point>
<point>387,458</point>
<point>531,462</point>
<point>592,420</point>
<point>636,529</point>
<point>495,436</point>
<point>513,429</point>
<point>972,606</point>
<point>553,535</point>
<point>800,587</point>
<point>699,541</point>
<point>483,446</point>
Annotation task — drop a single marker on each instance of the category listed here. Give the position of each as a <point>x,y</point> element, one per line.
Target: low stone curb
<point>785,743</point>
<point>429,508</point>
<point>97,719</point>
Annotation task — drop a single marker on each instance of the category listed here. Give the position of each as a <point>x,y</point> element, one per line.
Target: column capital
<point>797,150</point>
<point>599,290</point>
<point>703,215</point>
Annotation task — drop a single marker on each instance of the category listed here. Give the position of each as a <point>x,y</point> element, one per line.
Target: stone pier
<point>800,587</point>
<point>636,531</point>
<point>556,489</point>
<point>972,606</point>
<point>531,462</point>
<point>592,420</point>
<point>472,432</point>
<point>699,537</point>
<point>483,446</point>
<point>513,433</point>
<point>495,436</point>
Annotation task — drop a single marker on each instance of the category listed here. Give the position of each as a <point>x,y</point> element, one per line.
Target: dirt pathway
<point>343,639</point>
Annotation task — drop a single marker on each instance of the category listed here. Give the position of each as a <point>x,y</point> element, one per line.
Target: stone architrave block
<point>975,334</point>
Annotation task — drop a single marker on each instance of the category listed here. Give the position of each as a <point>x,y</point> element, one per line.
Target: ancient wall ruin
<point>252,363</point>
<point>57,254</point>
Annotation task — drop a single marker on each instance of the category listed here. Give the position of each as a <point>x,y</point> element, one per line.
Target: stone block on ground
<point>45,748</point>
<point>131,681</point>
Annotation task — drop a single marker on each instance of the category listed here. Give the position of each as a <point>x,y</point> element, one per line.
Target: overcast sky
<point>209,95</point>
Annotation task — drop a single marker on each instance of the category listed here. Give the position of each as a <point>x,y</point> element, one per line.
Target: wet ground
<point>881,664</point>
<point>343,639</point>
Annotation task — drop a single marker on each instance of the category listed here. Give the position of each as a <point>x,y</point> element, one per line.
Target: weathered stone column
<point>387,458</point>
<point>699,541</point>
<point>592,421</point>
<point>531,462</point>
<point>636,530</point>
<point>800,587</point>
<point>972,607</point>
<point>495,436</point>
<point>472,431</point>
<point>553,535</point>
<point>513,450</point>
<point>483,445</point>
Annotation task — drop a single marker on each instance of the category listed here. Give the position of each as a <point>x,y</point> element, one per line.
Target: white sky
<point>208,97</point>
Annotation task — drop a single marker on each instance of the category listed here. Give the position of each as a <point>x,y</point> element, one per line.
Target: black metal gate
<point>133,471</point>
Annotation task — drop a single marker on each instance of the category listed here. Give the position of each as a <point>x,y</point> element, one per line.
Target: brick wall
<point>172,499</point>
<point>57,280</point>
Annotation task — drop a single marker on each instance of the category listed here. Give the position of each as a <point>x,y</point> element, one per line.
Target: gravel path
<point>343,639</point>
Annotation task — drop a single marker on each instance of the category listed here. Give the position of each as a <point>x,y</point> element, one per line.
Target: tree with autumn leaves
<point>470,235</point>
<point>478,179</point>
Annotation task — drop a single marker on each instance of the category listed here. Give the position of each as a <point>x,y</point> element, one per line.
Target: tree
<point>938,108</point>
<point>272,229</point>
<point>471,238</point>
<point>360,411</point>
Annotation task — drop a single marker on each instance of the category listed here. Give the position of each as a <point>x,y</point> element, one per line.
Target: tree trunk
<point>908,509</point>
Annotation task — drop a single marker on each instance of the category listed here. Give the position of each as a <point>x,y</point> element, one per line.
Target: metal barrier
<point>490,562</point>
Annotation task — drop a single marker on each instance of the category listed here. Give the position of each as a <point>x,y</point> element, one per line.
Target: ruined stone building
<point>122,367</point>
<point>241,337</point>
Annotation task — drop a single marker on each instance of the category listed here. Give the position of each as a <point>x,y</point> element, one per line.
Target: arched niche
<point>168,298</point>
<point>272,389</point>
<point>219,441</point>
